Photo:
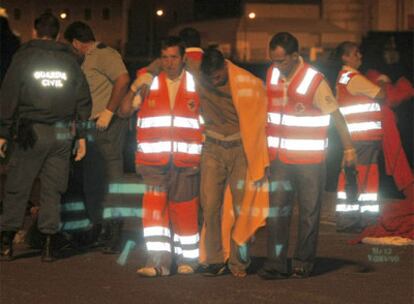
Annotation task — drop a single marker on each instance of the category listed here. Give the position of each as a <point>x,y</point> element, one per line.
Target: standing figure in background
<point>363,104</point>
<point>43,93</point>
<point>108,82</point>
<point>300,106</point>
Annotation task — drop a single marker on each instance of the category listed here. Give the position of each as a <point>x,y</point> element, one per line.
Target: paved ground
<point>344,274</point>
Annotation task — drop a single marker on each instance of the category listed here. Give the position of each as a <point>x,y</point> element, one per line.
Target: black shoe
<point>266,274</point>
<point>48,254</point>
<point>113,243</point>
<point>300,273</point>
<point>6,245</point>
<point>214,270</point>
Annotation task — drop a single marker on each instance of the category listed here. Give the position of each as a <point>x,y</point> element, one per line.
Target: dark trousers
<point>221,167</point>
<point>49,158</point>
<point>103,165</point>
<point>287,182</point>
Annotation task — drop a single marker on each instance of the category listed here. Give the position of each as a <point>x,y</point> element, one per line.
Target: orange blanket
<point>249,98</point>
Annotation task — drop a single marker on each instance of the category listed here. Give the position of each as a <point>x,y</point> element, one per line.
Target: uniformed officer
<point>43,94</point>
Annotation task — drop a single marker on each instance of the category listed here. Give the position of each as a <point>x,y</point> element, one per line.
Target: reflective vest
<point>296,130</point>
<point>163,133</point>
<point>362,114</point>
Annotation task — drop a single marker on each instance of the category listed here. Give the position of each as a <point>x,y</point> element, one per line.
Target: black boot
<point>6,245</point>
<point>48,254</point>
<point>113,244</point>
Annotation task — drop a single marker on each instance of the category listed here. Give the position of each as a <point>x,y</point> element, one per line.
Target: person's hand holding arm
<point>119,90</point>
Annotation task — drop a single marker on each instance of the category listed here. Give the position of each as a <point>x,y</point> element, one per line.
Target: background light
<point>252,15</point>
<point>63,15</point>
<point>159,12</point>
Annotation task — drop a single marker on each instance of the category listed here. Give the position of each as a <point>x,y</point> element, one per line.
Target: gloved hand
<point>3,147</point>
<point>144,79</point>
<point>104,118</point>
<point>80,149</point>
<point>350,158</point>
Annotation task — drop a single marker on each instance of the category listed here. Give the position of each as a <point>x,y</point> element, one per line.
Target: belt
<point>225,144</point>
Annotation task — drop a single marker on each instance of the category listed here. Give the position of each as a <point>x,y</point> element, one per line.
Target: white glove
<point>104,118</point>
<point>144,79</point>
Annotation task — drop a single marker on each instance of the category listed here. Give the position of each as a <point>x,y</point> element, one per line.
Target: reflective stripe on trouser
<point>355,216</point>
<point>285,181</point>
<point>221,167</point>
<point>184,220</point>
<point>177,209</point>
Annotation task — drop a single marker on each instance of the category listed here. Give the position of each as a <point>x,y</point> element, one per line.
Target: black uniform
<point>43,93</point>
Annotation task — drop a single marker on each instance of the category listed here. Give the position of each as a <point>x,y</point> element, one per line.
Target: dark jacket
<point>44,84</point>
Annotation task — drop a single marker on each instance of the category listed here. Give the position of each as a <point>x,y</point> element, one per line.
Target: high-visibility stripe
<point>360,108</point>
<point>183,147</point>
<point>304,144</point>
<point>364,126</point>
<point>347,207</point>
<point>306,121</point>
<point>273,142</point>
<point>155,84</point>
<point>158,246</point>
<point>274,79</point>
<point>363,197</point>
<point>370,208</point>
<point>154,122</point>
<point>184,122</point>
<point>274,118</point>
<point>75,225</point>
<point>168,121</point>
<point>341,195</point>
<point>191,254</point>
<point>74,206</point>
<point>201,120</point>
<point>178,250</point>
<point>190,82</point>
<point>344,79</point>
<point>156,147</point>
<point>297,144</point>
<point>187,240</point>
<point>116,212</point>
<point>157,231</point>
<point>127,188</point>
<point>304,85</point>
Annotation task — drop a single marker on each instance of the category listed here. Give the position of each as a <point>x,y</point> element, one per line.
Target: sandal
<point>238,273</point>
<point>152,272</point>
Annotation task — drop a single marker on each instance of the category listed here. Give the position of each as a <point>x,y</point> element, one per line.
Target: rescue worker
<point>363,105</point>
<point>300,105</point>
<point>103,167</point>
<point>168,155</point>
<point>44,91</point>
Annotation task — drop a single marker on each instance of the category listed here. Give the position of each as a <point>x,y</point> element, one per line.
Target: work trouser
<point>48,158</point>
<point>102,166</point>
<point>286,183</point>
<point>170,206</point>
<point>222,164</point>
<point>355,216</point>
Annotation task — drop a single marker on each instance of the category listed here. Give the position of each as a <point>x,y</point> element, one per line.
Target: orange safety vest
<point>362,114</point>
<point>296,129</point>
<point>163,133</point>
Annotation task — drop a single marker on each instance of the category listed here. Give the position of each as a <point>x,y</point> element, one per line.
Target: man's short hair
<point>47,25</point>
<point>172,41</point>
<point>190,37</point>
<point>80,31</point>
<point>285,40</point>
<point>213,60</point>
